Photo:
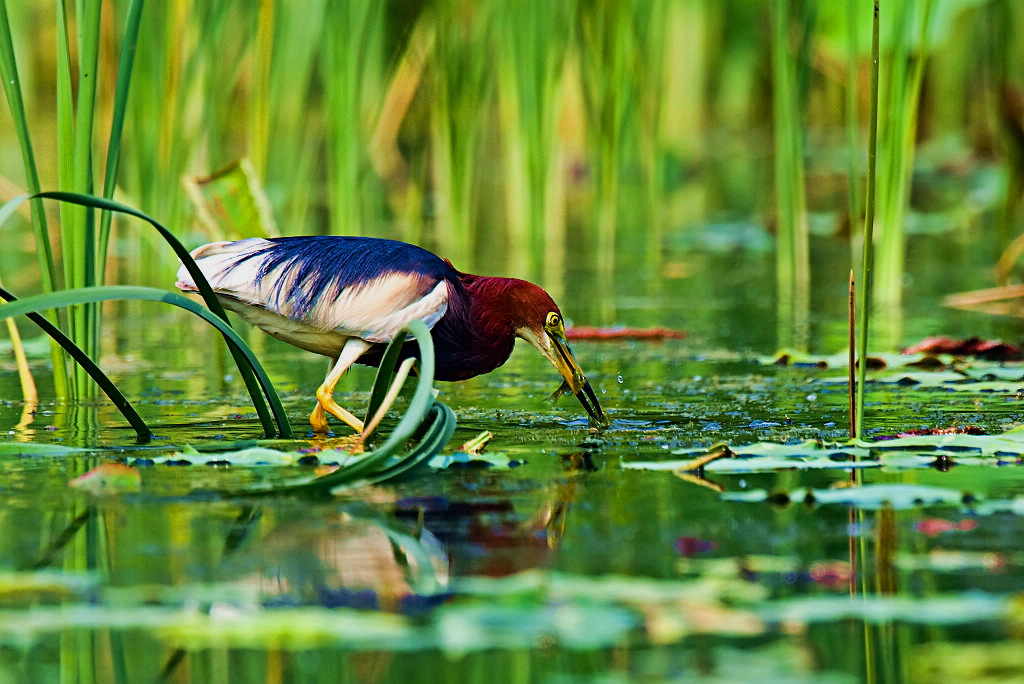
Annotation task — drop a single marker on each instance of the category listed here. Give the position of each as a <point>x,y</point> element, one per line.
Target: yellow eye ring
<point>553,320</point>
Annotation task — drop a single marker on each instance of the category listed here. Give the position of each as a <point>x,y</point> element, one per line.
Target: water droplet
<point>620,379</point>
<point>604,391</point>
<point>812,397</point>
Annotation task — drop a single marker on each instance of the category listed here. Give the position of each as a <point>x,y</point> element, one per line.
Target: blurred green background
<point>578,140</point>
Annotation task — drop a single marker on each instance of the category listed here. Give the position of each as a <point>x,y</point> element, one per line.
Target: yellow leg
<point>353,349</point>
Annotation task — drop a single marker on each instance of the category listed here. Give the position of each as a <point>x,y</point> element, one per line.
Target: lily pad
<point>36,449</point>
<point>912,451</point>
<point>871,497</point>
<point>460,459</point>
<point>964,608</point>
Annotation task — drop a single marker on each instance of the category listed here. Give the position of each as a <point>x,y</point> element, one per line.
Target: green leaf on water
<point>37,449</point>
<point>493,460</point>
<point>248,456</point>
<point>768,456</point>
<point>912,451</point>
<point>870,497</point>
<point>292,629</point>
<point>965,608</point>
<point>484,626</point>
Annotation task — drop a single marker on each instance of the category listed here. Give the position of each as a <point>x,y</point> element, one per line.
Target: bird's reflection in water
<point>403,559</point>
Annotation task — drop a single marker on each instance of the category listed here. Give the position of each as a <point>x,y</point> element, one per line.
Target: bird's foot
<point>318,420</point>
<point>326,403</point>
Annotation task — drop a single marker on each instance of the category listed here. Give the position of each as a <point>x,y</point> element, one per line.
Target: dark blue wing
<point>307,270</point>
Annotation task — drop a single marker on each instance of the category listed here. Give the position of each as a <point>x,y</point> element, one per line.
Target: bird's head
<point>538,320</point>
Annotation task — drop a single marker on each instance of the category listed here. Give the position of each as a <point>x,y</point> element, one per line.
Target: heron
<point>346,297</point>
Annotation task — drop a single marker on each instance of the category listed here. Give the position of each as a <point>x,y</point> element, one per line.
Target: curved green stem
<point>432,422</point>
<point>88,295</point>
<point>205,291</point>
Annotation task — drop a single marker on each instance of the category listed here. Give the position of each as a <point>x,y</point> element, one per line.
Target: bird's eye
<point>554,320</point>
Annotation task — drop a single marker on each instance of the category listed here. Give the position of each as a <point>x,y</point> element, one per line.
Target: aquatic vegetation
<point>629,149</point>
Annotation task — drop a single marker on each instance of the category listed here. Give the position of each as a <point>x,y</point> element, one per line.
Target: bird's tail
<point>217,260</point>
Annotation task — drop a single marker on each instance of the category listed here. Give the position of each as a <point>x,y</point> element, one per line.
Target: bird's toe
<point>318,420</point>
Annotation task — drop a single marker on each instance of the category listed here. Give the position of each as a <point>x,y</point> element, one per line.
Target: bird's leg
<point>353,349</point>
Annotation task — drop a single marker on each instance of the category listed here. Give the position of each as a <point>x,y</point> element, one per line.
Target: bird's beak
<point>563,359</point>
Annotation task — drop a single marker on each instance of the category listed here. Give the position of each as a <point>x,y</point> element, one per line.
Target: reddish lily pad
<point>108,478</point>
<point>620,333</point>
<point>990,350</point>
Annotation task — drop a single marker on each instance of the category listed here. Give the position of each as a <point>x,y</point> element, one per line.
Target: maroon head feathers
<point>505,305</point>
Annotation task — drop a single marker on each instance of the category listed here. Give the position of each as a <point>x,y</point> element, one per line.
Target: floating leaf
<point>579,332</point>
<point>970,607</point>
<point>36,449</point>
<point>767,456</point>
<point>952,561</point>
<point>991,350</point>
<point>249,456</point>
<point>291,629</point>
<point>872,496</point>
<point>479,627</point>
<point>461,459</point>
<point>945,449</point>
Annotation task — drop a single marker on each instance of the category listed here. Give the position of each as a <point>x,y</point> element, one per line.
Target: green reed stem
<point>534,37</point>
<point>793,245</point>
<point>462,96</point>
<point>259,113</point>
<point>852,117</point>
<point>898,99</point>
<point>65,137</point>
<point>84,319</point>
<point>869,222</point>
<point>249,372</point>
<point>294,156</point>
<point>124,77</point>
<point>44,254</point>
<point>352,74</point>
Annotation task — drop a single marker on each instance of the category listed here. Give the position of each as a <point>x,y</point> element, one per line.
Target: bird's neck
<point>476,334</point>
<point>488,305</point>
